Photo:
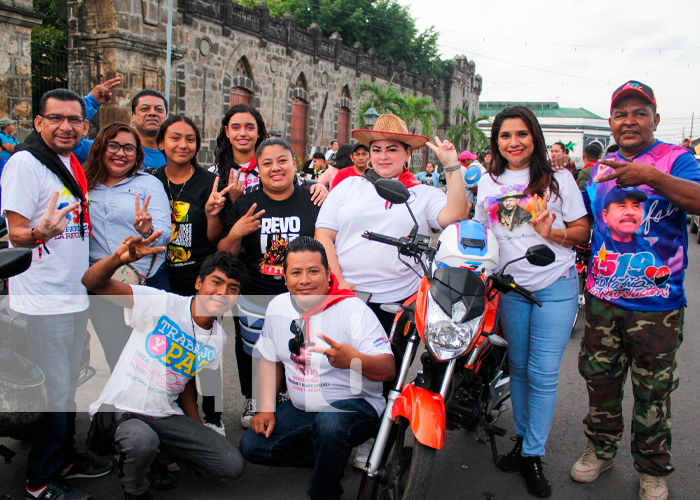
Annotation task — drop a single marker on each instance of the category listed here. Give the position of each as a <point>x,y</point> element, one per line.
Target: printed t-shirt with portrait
<point>503,207</point>
<point>52,284</point>
<point>165,350</point>
<point>354,207</point>
<point>263,250</point>
<point>312,382</point>
<point>643,270</point>
<point>189,245</point>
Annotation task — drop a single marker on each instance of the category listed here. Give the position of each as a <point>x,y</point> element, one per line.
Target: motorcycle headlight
<point>448,337</point>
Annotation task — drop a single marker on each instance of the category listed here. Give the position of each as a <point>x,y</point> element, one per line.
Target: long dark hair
<point>342,157</point>
<point>223,155</point>
<point>541,171</point>
<point>95,170</point>
<point>181,118</point>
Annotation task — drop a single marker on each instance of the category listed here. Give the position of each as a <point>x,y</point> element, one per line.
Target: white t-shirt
<point>330,155</point>
<point>354,207</point>
<point>250,182</point>
<point>165,350</point>
<point>315,384</point>
<point>510,222</point>
<point>52,284</point>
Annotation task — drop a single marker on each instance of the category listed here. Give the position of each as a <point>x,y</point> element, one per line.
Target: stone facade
<point>219,46</point>
<point>16,21</point>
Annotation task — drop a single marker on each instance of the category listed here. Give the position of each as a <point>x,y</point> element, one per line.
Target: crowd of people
<point>130,232</point>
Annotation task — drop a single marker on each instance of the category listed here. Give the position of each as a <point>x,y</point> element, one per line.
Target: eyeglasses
<point>59,119</point>
<point>297,327</point>
<point>114,147</point>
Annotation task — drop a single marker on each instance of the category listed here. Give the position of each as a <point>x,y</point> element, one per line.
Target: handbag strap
<point>141,276</point>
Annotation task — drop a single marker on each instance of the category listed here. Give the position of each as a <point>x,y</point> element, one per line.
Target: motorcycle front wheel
<point>405,470</point>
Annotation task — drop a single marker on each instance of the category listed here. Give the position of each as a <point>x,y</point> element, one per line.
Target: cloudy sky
<point>577,52</point>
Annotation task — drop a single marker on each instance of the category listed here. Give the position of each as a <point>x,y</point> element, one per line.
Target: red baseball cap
<point>633,88</point>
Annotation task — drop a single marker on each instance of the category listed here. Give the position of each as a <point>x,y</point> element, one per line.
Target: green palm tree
<point>384,100</point>
<point>421,110</point>
<point>468,130</point>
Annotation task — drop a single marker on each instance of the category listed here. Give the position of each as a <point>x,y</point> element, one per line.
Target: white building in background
<point>575,127</point>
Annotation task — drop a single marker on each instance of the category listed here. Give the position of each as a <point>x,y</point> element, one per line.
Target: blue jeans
<point>319,441</point>
<point>537,338</point>
<point>56,346</point>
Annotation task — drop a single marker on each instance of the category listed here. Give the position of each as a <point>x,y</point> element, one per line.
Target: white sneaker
<point>589,467</point>
<point>652,487</point>
<point>249,411</point>
<point>362,454</point>
<point>221,429</point>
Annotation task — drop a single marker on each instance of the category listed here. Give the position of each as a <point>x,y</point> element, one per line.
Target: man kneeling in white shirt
<point>335,356</point>
<point>152,384</point>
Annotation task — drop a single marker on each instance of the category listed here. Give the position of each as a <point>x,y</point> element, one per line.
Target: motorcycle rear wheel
<point>405,471</point>
<point>582,277</point>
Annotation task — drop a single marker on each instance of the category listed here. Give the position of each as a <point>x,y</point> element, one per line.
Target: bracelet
<point>451,169</point>
<point>41,244</point>
<point>562,241</point>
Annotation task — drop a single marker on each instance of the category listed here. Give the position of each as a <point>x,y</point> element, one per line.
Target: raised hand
<point>626,174</point>
<point>133,248</point>
<point>103,91</point>
<point>542,221</point>
<point>562,162</point>
<point>234,180</point>
<point>216,199</point>
<point>249,223</point>
<point>445,151</point>
<point>143,221</point>
<point>319,193</point>
<point>53,222</point>
<point>339,354</point>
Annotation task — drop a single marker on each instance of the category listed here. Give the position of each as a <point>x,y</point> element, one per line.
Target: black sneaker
<point>537,485</point>
<point>512,461</point>
<point>159,476</point>
<point>56,491</point>
<point>146,495</point>
<point>83,465</point>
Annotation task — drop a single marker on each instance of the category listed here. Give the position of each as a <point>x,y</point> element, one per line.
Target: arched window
<point>343,125</point>
<point>239,95</point>
<point>298,126</point>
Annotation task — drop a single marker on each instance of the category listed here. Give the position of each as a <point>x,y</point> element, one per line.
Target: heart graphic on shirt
<point>658,275</point>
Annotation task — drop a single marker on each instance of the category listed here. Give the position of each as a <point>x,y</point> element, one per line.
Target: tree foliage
<point>53,31</point>
<point>421,110</point>
<point>468,131</point>
<point>384,25</point>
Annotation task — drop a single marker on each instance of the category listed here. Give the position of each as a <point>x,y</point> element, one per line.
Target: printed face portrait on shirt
<point>623,218</point>
<point>510,213</point>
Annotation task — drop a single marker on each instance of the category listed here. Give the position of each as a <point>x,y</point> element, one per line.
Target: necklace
<point>173,199</point>
<point>194,334</point>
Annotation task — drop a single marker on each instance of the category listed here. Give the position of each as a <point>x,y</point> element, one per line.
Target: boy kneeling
<point>152,385</point>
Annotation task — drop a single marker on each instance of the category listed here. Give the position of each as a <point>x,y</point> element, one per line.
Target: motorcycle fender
<point>425,411</point>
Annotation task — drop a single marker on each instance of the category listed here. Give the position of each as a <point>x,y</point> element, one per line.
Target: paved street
<point>481,480</point>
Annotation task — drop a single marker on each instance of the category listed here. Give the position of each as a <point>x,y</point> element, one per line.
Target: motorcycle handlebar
<point>387,240</point>
<point>527,294</point>
<point>12,321</point>
<point>506,284</point>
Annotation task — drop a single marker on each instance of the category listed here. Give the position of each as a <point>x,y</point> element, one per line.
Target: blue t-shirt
<point>153,158</point>
<point>645,273</point>
<point>4,139</point>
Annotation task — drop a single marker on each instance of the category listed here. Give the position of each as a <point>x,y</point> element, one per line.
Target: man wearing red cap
<point>634,294</point>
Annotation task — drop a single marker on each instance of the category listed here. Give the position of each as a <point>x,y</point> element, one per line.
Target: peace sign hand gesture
<point>445,151</point>
<point>133,248</point>
<point>103,91</point>
<point>247,224</point>
<point>626,174</point>
<point>237,187</point>
<point>216,199</point>
<point>542,221</point>
<point>143,221</point>
<point>53,222</point>
<point>339,354</point>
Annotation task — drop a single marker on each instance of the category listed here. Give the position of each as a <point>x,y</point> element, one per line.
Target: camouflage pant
<point>615,339</point>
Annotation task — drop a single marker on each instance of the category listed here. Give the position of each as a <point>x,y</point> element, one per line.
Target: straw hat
<point>390,128</point>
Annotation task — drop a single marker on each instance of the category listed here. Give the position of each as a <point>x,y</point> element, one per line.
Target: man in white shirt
<point>335,356</point>
<point>45,203</point>
<point>330,154</point>
<point>152,388</point>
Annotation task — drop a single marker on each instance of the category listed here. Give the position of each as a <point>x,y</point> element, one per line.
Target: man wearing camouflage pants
<point>638,199</point>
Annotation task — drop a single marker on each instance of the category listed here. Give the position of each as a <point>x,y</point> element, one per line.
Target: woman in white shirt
<point>525,202</point>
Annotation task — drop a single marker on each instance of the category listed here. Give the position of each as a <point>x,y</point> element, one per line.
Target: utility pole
<point>692,120</point>
<point>168,57</point>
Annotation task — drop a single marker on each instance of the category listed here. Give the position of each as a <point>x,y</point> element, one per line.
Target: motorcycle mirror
<point>540,255</point>
<point>392,190</point>
<point>14,261</point>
